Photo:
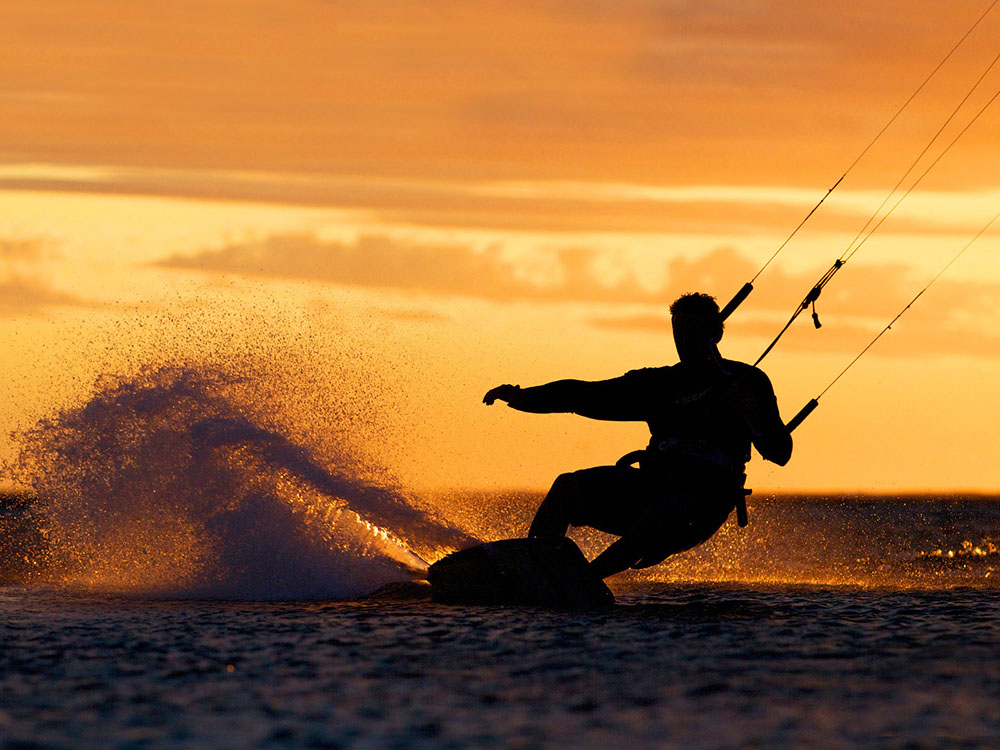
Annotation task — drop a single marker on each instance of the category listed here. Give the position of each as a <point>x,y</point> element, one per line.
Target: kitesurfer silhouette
<point>703,414</point>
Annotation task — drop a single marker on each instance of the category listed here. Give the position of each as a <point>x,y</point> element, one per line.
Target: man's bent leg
<point>663,529</point>
<point>606,498</point>
<point>552,517</point>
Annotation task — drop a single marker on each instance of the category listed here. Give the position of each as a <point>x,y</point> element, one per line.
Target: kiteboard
<point>533,572</point>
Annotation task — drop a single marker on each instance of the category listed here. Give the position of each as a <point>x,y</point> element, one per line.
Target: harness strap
<point>741,509</point>
<point>633,457</point>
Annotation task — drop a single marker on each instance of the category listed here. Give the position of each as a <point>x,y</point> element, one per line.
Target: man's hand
<point>503,392</point>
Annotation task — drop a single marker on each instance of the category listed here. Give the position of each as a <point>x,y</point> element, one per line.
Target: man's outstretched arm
<point>604,399</point>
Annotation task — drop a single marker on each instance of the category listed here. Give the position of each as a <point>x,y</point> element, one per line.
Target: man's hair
<point>701,305</point>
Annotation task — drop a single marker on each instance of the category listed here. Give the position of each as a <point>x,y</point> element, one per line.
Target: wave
<point>175,483</point>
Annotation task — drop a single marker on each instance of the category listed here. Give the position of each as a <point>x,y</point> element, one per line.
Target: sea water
<point>186,574</point>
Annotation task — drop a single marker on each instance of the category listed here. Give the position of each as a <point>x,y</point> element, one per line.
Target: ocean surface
<point>745,643</point>
<point>183,574</point>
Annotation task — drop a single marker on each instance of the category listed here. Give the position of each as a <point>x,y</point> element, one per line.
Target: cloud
<point>872,292</point>
<point>942,326</point>
<point>18,250</point>
<point>573,274</point>
<point>383,262</point>
<point>950,317</point>
<point>706,92</point>
<point>22,288</point>
<point>20,295</point>
<point>22,254</point>
<point>595,205</point>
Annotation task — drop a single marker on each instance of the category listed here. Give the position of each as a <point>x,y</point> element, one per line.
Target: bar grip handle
<point>803,413</point>
<point>736,301</point>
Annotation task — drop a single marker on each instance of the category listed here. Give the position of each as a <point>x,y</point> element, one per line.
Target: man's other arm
<point>760,409</point>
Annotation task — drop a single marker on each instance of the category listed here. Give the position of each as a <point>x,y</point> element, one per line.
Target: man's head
<point>697,326</point>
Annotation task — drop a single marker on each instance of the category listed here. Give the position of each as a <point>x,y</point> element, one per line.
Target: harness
<point>669,456</point>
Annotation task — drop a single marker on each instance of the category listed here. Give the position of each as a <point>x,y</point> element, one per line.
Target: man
<point>703,414</point>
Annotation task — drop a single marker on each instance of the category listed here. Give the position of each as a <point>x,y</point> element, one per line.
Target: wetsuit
<point>702,421</point>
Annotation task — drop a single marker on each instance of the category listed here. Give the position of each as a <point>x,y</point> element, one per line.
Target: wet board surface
<point>537,572</point>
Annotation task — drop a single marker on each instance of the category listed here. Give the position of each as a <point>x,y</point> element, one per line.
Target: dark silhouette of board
<point>535,572</point>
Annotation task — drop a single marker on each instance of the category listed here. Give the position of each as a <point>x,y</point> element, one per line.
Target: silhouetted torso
<point>692,412</point>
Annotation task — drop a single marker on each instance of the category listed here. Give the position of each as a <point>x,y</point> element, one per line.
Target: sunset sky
<point>379,209</point>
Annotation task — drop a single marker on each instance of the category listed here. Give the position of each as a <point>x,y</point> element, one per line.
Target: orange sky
<point>462,194</point>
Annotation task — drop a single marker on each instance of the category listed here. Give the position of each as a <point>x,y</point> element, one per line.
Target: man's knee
<point>562,495</point>
<point>553,516</point>
<point>567,500</point>
<point>565,485</point>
